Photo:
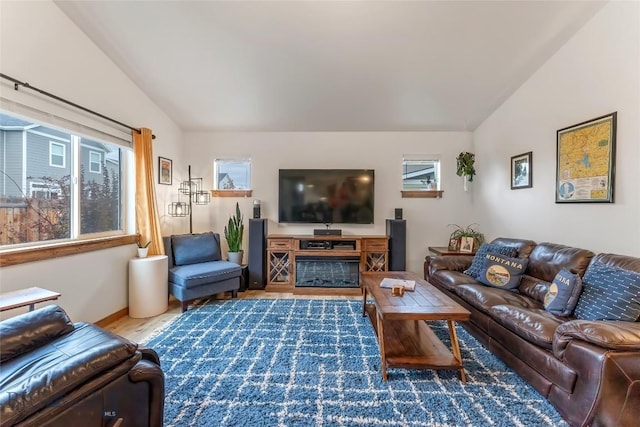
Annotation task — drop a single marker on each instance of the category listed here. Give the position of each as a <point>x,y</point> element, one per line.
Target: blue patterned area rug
<point>266,362</point>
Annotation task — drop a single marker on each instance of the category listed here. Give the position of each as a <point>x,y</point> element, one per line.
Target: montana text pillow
<point>478,260</point>
<point>501,271</point>
<point>563,294</point>
<point>610,293</point>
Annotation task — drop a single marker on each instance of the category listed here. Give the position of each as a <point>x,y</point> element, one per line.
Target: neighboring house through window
<point>420,172</point>
<point>232,174</point>
<point>55,184</point>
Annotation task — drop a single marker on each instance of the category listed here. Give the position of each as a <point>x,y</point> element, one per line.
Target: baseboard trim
<point>113,317</point>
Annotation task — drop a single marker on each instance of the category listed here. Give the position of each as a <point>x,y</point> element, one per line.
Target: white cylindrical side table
<point>148,286</point>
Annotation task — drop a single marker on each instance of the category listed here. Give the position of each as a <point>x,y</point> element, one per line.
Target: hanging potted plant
<point>233,233</point>
<point>465,169</point>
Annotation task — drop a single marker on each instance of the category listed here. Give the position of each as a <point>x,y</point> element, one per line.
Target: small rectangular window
<point>57,154</point>
<point>420,175</point>
<point>95,162</point>
<point>232,174</point>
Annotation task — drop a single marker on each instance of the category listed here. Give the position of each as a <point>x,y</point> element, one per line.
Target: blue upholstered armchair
<point>196,268</point>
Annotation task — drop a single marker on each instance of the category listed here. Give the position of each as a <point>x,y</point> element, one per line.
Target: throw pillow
<point>478,261</point>
<point>195,248</point>
<point>503,272</point>
<point>610,293</point>
<point>563,294</point>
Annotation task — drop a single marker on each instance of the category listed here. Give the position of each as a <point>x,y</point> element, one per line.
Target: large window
<point>55,184</point>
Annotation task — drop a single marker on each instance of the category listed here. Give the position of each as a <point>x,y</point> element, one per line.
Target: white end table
<point>148,286</point>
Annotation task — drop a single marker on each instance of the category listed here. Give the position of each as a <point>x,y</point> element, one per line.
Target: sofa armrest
<point>610,335</point>
<point>31,330</point>
<point>149,371</point>
<point>455,263</point>
<point>149,354</point>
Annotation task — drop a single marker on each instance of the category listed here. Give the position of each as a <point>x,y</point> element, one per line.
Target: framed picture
<point>585,161</point>
<point>165,171</point>
<point>466,244</point>
<point>521,173</point>
<point>453,245</point>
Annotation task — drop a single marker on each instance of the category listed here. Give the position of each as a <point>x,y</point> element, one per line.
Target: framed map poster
<point>585,161</point>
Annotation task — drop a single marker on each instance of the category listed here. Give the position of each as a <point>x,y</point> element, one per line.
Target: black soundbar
<point>327,232</point>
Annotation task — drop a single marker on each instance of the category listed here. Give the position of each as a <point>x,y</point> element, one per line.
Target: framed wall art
<point>585,161</point>
<point>165,171</point>
<point>521,172</point>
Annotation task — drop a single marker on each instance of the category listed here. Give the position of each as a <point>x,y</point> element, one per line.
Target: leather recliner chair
<point>57,373</point>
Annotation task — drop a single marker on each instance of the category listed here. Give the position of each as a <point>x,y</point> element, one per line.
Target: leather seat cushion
<point>39,377</point>
<point>483,297</point>
<point>194,275</point>
<point>451,279</point>
<point>534,325</point>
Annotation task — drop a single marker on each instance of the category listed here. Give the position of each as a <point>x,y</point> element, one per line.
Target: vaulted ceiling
<point>329,65</point>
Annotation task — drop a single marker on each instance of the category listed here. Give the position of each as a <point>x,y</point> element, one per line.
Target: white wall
<point>40,45</point>
<point>427,219</point>
<point>595,73</point>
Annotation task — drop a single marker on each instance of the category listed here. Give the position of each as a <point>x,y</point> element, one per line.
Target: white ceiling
<point>329,65</point>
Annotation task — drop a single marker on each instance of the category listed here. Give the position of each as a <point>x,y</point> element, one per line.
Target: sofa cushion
<point>478,260</point>
<point>194,275</point>
<point>523,247</point>
<point>32,330</point>
<point>483,297</point>
<point>547,259</point>
<point>532,324</point>
<point>502,272</point>
<point>610,293</point>
<point>450,279</point>
<point>563,293</point>
<point>195,248</point>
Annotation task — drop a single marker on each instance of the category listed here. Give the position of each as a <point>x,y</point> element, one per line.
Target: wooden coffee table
<point>405,340</point>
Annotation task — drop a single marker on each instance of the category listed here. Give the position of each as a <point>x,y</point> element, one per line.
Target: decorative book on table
<point>408,285</point>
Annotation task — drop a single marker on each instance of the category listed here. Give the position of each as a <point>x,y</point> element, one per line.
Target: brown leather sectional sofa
<point>589,370</point>
<point>57,373</point>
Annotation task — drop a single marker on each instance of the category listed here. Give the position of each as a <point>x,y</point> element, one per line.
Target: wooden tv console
<point>282,250</point>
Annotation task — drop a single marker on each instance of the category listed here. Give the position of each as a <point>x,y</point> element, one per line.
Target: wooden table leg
<point>383,359</point>
<point>456,349</point>
<point>364,300</point>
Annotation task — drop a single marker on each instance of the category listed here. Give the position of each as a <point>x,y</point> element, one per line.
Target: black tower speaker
<point>397,232</point>
<point>257,253</point>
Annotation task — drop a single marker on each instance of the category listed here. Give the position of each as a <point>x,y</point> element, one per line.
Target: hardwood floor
<point>138,330</point>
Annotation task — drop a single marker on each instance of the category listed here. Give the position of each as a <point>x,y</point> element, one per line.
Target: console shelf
<point>370,253</point>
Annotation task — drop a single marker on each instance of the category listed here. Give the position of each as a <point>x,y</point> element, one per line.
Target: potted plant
<point>465,169</point>
<point>233,233</point>
<point>468,231</point>
<point>143,248</point>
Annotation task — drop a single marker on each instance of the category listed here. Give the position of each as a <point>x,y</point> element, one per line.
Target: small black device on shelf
<point>327,232</point>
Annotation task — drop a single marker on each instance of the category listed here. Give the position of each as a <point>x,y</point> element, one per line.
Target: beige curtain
<point>147,219</point>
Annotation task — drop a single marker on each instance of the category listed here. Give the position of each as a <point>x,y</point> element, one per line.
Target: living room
<point>595,72</point>
<point>556,96</point>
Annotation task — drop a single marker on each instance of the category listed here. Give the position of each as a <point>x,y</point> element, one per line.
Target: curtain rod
<point>17,83</point>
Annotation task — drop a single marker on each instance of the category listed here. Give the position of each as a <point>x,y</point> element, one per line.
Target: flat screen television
<point>329,196</point>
